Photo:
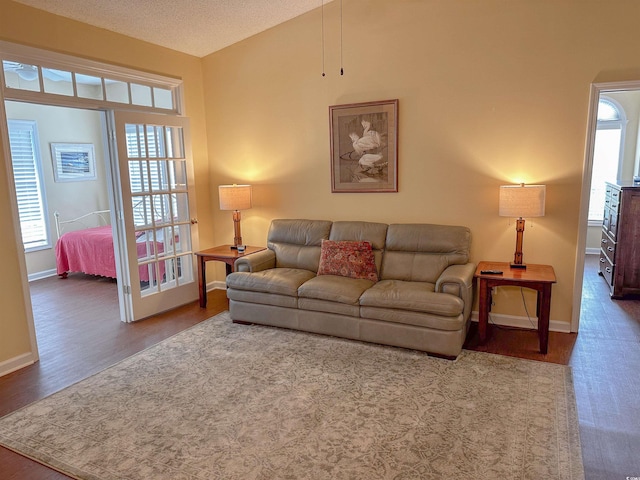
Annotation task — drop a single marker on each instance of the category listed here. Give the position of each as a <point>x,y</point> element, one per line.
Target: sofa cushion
<point>273,299</point>
<point>334,288</point>
<point>413,296</point>
<point>296,243</point>
<point>323,306</point>
<point>281,281</point>
<point>421,252</point>
<point>374,233</point>
<point>347,259</point>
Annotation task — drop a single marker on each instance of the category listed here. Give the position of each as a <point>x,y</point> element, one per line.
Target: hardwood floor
<point>605,359</point>
<point>606,373</point>
<point>78,338</point>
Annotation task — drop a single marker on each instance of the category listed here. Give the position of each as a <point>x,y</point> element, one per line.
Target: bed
<point>90,250</point>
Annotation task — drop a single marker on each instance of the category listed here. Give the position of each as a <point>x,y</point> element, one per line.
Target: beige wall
<point>490,93</point>
<point>28,26</point>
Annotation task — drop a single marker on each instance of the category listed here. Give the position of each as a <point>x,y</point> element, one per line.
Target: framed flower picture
<point>364,147</point>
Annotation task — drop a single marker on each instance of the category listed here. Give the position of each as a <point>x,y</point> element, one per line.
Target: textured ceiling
<point>197,27</point>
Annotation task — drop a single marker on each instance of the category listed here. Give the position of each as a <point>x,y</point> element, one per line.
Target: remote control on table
<point>491,272</point>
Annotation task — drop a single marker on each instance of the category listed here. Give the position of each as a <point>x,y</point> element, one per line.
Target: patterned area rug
<point>225,401</point>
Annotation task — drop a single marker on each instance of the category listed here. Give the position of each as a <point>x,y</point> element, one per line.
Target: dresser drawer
<point>606,268</point>
<point>608,247</point>
<point>613,213</point>
<point>620,241</point>
<point>606,221</point>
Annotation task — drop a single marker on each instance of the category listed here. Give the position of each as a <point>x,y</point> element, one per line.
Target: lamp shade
<point>234,197</point>
<point>522,200</point>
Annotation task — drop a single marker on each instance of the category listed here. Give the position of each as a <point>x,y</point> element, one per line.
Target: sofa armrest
<point>256,262</point>
<point>458,280</point>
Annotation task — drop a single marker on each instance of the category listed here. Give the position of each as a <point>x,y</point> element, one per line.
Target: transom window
<point>29,74</point>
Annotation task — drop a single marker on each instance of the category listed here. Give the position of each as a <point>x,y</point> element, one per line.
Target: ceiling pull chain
<point>322,36</point>
<point>341,69</point>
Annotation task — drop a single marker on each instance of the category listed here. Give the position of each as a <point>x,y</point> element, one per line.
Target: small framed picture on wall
<point>73,162</point>
<point>364,147</point>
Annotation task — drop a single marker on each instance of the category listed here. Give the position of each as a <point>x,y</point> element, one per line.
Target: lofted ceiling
<point>196,27</point>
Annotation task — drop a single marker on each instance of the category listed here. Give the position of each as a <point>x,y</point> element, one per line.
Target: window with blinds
<point>27,174</point>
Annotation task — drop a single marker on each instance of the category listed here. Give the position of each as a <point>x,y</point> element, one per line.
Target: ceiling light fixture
<point>27,72</point>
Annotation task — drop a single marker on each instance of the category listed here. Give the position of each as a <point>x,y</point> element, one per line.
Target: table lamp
<point>236,198</point>
<point>521,201</point>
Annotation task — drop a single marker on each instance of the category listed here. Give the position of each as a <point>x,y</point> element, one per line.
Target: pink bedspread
<point>91,251</point>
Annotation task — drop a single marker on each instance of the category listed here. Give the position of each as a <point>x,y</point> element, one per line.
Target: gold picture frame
<point>364,147</point>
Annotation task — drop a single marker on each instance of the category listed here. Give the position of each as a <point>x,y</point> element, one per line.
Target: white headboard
<point>102,215</point>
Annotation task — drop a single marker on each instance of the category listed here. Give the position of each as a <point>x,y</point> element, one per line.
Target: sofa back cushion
<point>374,233</point>
<point>421,252</point>
<point>296,243</point>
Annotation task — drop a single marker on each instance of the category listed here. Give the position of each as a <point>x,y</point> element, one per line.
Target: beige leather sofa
<point>422,300</point>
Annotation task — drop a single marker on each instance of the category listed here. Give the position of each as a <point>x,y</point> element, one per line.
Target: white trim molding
<point>43,274</point>
<point>16,363</point>
<point>523,322</point>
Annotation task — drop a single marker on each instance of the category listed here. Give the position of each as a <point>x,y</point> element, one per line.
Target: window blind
<point>27,174</point>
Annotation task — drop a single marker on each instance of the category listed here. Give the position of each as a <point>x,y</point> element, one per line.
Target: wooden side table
<point>223,253</point>
<point>536,277</point>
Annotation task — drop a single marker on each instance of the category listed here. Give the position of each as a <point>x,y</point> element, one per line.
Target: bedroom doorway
<point>154,179</point>
<point>39,78</point>
<point>627,95</point>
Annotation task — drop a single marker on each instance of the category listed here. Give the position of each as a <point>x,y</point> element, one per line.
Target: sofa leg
<point>242,322</point>
<point>446,357</point>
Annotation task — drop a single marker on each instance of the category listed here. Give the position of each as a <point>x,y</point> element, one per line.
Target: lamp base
<point>518,265</point>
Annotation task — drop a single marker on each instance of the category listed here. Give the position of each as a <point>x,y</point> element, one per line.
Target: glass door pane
<point>156,178</point>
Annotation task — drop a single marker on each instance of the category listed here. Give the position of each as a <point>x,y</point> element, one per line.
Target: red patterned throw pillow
<point>352,259</point>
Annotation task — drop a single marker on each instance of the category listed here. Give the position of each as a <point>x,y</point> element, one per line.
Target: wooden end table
<point>536,277</point>
<point>222,253</point>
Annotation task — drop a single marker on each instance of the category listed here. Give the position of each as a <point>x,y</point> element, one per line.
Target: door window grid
<point>160,205</point>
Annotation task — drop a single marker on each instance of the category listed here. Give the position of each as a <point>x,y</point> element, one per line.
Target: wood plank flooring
<point>79,334</point>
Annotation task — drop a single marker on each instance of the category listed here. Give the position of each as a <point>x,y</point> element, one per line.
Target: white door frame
<point>36,56</point>
<point>594,97</point>
<point>33,357</point>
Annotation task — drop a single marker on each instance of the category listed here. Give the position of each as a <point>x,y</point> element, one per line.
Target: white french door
<point>158,225</point>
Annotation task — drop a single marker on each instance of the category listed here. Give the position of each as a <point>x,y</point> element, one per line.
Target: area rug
<point>226,401</point>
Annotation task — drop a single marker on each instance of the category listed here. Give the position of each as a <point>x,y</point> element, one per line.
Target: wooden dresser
<point>620,247</point>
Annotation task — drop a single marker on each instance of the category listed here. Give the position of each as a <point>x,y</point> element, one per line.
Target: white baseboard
<point>16,363</point>
<point>523,322</point>
<point>44,274</point>
<point>216,285</point>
